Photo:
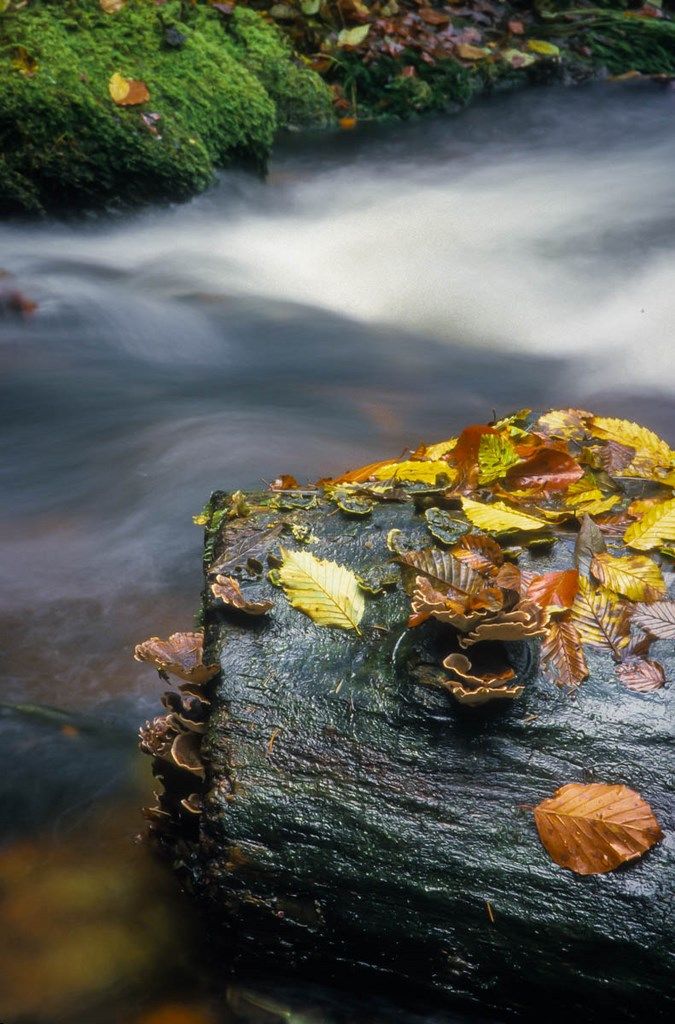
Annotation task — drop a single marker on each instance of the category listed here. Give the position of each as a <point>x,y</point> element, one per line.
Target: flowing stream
<point>382,287</point>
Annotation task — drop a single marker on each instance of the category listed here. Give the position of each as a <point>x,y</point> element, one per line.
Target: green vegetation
<point>220,88</point>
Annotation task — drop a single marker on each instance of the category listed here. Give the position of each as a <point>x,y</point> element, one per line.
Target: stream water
<point>382,287</point>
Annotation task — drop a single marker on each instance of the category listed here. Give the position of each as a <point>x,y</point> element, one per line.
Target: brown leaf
<point>594,828</point>
<point>554,590</point>
<point>479,552</point>
<point>443,570</point>
<point>589,542</point>
<point>181,655</point>
<point>285,482</point>
<point>459,610</point>
<point>229,592</point>
<point>433,17</point>
<point>641,674</point>
<point>601,620</point>
<point>127,92</point>
<point>657,618</point>
<point>547,470</point>
<point>562,654</point>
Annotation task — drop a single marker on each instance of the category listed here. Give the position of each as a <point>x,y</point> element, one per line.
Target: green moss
<point>65,143</point>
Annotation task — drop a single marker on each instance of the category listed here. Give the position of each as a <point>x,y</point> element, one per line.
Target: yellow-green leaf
<point>327,592</point>
<point>637,577</point>
<point>543,48</point>
<point>496,454</point>
<point>441,448</point>
<point>415,472</point>
<point>600,619</point>
<point>498,517</point>
<point>656,526</point>
<point>353,36</point>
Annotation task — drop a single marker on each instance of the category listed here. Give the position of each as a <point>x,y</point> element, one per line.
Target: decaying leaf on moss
<point>595,828</point>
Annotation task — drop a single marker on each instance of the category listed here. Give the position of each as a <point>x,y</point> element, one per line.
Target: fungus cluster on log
<point>400,665</point>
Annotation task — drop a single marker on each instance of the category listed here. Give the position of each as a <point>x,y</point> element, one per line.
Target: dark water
<point>381,288</point>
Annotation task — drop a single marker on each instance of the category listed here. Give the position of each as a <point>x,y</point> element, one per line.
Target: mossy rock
<point>221,94</point>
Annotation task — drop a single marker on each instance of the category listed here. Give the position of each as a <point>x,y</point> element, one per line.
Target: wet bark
<point>356,816</point>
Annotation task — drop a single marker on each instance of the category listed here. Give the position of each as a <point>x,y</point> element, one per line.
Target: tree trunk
<point>355,814</point>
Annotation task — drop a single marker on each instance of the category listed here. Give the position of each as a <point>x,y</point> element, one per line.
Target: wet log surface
<point>356,816</point>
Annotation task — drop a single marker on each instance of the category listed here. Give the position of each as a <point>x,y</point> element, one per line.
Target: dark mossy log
<point>356,815</point>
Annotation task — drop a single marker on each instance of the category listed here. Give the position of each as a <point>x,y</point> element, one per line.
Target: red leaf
<point>465,453</point>
<point>547,470</point>
<point>554,589</point>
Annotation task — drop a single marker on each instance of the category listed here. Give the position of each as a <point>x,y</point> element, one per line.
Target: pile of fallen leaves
<point>601,486</point>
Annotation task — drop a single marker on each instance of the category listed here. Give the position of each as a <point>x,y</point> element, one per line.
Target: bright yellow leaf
<point>441,448</point>
<point>496,454</point>
<point>637,577</point>
<point>656,526</point>
<point>329,593</point>
<point>498,517</point>
<point>543,48</point>
<point>601,620</point>
<point>651,451</point>
<point>416,472</point>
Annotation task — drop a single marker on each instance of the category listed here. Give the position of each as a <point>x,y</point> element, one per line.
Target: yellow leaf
<point>637,577</point>
<point>468,52</point>
<point>416,472</point>
<point>496,454</point>
<point>327,592</point>
<point>651,451</point>
<point>112,6</point>
<point>569,424</point>
<point>592,828</point>
<point>656,526</point>
<point>438,450</point>
<point>543,48</point>
<point>583,497</point>
<point>23,61</point>
<point>498,517</point>
<point>600,619</point>
<point>353,36</point>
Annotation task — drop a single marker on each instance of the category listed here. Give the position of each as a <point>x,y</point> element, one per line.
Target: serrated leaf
<point>415,471</point>
<point>637,577</point>
<point>651,451</point>
<point>641,675</point>
<point>443,570</point>
<point>594,828</point>
<point>480,552</point>
<point>600,619</point>
<point>569,424</point>
<point>496,455</point>
<point>656,526</point>
<point>657,619</point>
<point>499,518</point>
<point>325,591</point>
<point>562,654</point>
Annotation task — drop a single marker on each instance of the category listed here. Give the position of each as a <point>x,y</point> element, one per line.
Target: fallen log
<point>336,804</point>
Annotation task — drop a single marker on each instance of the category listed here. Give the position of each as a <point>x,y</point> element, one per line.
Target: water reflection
<point>384,287</point>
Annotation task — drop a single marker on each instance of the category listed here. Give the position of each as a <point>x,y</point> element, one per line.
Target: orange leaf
<point>360,475</point>
<point>595,828</point>
<point>127,92</point>
<point>465,453</point>
<point>554,590</point>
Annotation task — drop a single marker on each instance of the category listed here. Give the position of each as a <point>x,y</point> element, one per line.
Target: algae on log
<point>354,815</point>
<point>221,89</point>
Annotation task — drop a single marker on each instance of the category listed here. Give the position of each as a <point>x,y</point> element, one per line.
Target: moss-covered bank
<point>220,85</point>
<point>224,76</point>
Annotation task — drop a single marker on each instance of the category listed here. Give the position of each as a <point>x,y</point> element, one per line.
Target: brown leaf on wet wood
<point>562,654</point>
<point>226,589</point>
<point>479,552</point>
<point>595,828</point>
<point>443,570</point>
<point>181,655</point>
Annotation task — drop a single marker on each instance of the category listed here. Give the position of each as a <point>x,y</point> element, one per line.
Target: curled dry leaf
<point>181,655</point>
<point>562,654</point>
<point>658,619</point>
<point>641,674</point>
<point>325,591</point>
<point>637,577</point>
<point>226,589</point>
<point>595,828</point>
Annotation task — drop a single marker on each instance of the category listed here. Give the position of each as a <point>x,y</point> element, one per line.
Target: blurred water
<point>381,288</point>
